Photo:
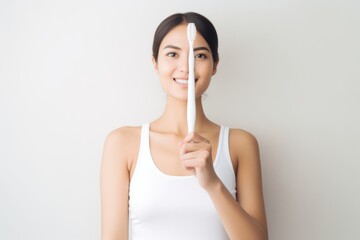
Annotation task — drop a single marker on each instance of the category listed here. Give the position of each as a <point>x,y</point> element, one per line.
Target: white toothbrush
<point>191,106</point>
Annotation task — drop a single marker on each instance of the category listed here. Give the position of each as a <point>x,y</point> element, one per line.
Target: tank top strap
<point>226,149</point>
<point>144,135</point>
<point>219,147</point>
<point>143,140</point>
<point>143,150</point>
<point>224,167</point>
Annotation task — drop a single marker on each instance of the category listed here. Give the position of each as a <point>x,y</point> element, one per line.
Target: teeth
<point>181,81</point>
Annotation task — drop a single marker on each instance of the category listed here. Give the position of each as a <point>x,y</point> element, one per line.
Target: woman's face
<point>172,64</point>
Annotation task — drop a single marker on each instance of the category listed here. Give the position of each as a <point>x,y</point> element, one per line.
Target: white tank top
<point>166,207</point>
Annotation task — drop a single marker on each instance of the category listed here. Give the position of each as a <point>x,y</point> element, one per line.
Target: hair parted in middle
<point>203,26</point>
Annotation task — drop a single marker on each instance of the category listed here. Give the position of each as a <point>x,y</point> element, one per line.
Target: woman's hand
<point>195,153</point>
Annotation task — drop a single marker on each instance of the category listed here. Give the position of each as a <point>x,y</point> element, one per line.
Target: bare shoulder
<point>240,136</point>
<point>122,144</point>
<point>124,134</point>
<point>242,143</point>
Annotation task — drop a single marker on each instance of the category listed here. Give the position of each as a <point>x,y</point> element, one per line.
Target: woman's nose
<point>183,64</point>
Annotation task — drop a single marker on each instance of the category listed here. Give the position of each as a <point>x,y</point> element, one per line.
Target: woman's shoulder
<point>124,140</point>
<point>124,133</point>
<point>121,147</point>
<point>242,142</point>
<point>241,135</point>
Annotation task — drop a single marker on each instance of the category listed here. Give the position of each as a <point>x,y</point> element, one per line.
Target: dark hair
<point>203,26</point>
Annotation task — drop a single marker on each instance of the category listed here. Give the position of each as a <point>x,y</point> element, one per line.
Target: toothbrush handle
<point>191,106</point>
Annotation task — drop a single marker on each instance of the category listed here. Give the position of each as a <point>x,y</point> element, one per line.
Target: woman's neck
<point>174,118</point>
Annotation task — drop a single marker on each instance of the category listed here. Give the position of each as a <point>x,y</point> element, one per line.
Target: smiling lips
<point>182,81</point>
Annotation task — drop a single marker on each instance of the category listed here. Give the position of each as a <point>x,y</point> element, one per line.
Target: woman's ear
<point>215,68</point>
<point>154,64</point>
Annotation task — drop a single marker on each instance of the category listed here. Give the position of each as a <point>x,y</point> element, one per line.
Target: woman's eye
<point>171,54</point>
<point>200,56</point>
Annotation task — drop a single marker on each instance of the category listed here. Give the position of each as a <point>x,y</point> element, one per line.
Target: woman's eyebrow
<point>201,48</point>
<point>172,46</point>
<point>195,49</point>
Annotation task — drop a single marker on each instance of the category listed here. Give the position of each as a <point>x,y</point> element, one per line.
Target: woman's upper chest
<point>165,151</point>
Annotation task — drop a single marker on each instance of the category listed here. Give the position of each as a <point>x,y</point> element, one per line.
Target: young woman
<point>166,184</point>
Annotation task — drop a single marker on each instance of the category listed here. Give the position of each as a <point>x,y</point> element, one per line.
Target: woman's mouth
<point>182,81</point>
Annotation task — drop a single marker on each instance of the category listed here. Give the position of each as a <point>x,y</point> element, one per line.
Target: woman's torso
<point>165,202</point>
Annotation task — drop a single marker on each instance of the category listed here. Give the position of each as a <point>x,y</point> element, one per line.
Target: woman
<point>166,184</point>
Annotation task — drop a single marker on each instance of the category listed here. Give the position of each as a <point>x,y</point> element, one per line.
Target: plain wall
<point>71,71</point>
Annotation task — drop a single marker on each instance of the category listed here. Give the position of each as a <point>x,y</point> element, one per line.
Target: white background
<point>73,70</point>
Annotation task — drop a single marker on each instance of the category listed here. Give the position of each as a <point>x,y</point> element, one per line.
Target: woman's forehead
<point>178,37</point>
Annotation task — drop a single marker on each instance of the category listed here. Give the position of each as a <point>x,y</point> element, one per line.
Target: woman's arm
<point>114,183</point>
<point>242,219</point>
